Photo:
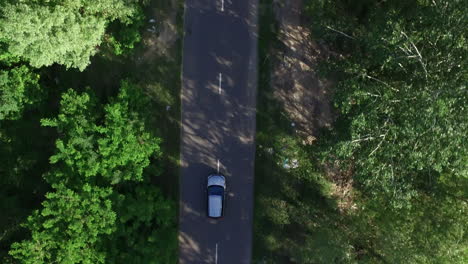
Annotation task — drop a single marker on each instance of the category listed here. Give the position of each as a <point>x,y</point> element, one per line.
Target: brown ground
<point>161,41</point>
<point>302,93</point>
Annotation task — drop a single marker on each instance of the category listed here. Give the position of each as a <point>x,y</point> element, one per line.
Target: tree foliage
<point>22,158</point>
<point>68,227</point>
<point>146,233</point>
<point>97,211</point>
<point>116,149</point>
<point>431,230</point>
<point>123,37</point>
<point>64,32</point>
<point>95,203</point>
<point>388,182</point>
<point>401,94</point>
<point>19,88</point>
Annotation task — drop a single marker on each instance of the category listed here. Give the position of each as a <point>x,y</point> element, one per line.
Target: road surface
<point>218,128</point>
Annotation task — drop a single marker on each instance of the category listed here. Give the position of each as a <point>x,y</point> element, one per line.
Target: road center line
<point>216,256</point>
<point>222,5</point>
<point>220,82</point>
<point>218,172</point>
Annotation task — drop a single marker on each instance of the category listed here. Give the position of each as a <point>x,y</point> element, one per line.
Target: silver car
<point>216,189</point>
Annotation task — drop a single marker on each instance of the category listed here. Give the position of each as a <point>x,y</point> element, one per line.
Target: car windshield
<point>215,190</point>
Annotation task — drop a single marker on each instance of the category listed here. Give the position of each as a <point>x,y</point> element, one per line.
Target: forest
<point>89,136</point>
<point>398,146</point>
<point>88,168</point>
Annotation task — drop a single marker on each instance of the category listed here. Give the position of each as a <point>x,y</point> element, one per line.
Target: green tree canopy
<point>97,177</point>
<point>400,69</point>
<point>402,94</point>
<point>68,227</point>
<point>18,88</point>
<point>146,233</point>
<point>64,32</point>
<point>113,145</point>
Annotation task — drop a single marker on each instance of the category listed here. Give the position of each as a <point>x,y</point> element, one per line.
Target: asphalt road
<point>219,90</point>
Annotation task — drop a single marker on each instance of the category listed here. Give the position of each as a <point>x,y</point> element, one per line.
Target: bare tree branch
<point>382,82</point>
<point>342,33</point>
<point>417,51</point>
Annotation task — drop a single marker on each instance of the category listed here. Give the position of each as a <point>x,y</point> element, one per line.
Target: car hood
<point>217,180</point>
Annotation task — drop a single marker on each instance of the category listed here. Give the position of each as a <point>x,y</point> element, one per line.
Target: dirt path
<point>296,85</point>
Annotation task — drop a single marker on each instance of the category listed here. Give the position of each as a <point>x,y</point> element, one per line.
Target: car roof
<point>215,205</point>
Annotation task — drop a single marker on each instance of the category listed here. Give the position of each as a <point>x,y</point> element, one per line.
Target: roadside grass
<point>161,83</point>
<point>296,220</point>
